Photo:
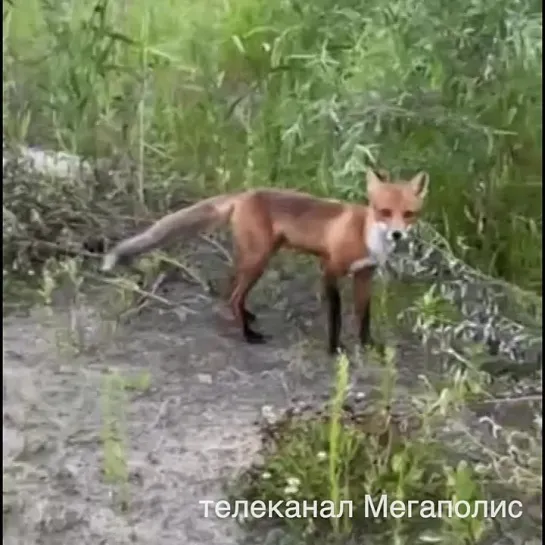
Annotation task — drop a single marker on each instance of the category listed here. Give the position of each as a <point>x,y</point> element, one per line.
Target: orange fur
<point>347,238</point>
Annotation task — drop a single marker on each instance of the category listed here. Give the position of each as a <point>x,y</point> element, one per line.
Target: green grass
<point>114,431</point>
<point>327,457</point>
<point>234,94</point>
<point>202,97</point>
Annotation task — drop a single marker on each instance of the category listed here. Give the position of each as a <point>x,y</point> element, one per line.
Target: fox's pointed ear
<point>420,183</point>
<point>373,181</point>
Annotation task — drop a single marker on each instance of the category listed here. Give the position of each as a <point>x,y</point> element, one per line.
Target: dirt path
<point>189,422</point>
<point>192,427</point>
<point>189,425</point>
<point>189,429</point>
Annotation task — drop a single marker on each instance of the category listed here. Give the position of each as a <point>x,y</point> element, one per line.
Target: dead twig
<point>119,283</point>
<point>221,249</point>
<point>38,243</point>
<point>145,299</point>
<point>187,270</point>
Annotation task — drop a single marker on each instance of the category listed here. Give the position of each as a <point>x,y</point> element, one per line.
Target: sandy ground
<point>189,426</point>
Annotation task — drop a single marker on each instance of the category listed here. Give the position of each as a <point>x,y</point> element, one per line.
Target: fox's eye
<point>385,212</point>
<point>408,214</point>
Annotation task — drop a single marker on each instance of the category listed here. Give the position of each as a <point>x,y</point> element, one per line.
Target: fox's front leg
<point>363,281</point>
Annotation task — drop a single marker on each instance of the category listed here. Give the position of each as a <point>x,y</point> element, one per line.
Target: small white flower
<point>293,481</point>
<point>321,455</point>
<point>290,490</point>
<point>267,413</point>
<point>266,475</point>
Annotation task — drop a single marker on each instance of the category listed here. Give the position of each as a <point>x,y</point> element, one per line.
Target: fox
<point>348,239</point>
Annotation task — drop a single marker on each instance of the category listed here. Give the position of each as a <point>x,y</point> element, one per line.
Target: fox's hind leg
<point>245,280</point>
<point>254,246</point>
<point>248,272</point>
<point>249,316</point>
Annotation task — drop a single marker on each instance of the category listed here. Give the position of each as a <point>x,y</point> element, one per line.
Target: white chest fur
<point>379,244</point>
<point>379,247</point>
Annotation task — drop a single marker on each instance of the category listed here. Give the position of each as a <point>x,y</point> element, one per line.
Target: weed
<point>240,95</point>
<point>114,430</point>
<point>114,437</point>
<point>340,453</point>
<point>180,101</point>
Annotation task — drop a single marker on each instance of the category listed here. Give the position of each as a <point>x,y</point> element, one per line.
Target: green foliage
<point>300,94</point>
<point>307,95</point>
<point>342,455</point>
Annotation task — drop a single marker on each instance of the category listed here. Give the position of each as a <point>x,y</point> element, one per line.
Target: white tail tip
<point>109,262</point>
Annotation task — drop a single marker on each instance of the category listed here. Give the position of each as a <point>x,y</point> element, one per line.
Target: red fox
<point>348,239</point>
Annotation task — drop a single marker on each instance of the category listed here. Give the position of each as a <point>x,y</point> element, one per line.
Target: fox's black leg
<point>244,282</point>
<point>333,300</point>
<point>249,316</point>
<point>251,335</point>
<point>365,325</point>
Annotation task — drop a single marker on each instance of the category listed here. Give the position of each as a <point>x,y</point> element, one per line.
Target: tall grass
<point>300,94</point>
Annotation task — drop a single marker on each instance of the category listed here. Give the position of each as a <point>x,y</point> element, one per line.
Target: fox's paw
<point>249,316</point>
<point>255,337</point>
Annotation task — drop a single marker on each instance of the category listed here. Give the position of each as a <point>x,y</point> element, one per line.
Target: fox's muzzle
<point>398,234</point>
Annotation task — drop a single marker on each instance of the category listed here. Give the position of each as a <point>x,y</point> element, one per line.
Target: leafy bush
<point>235,94</point>
<point>169,99</point>
<point>363,452</point>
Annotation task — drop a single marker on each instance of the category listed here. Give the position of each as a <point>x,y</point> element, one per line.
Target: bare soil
<point>188,431</point>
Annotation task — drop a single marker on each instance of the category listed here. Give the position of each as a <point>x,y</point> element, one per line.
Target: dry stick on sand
<point>144,300</point>
<point>188,271</point>
<point>222,250</point>
<point>132,288</point>
<point>64,248</point>
<point>147,295</point>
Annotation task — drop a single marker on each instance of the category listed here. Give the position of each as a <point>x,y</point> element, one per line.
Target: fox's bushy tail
<point>205,215</point>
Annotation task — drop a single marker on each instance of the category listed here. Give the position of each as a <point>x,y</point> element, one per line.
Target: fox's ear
<point>420,183</point>
<point>373,181</point>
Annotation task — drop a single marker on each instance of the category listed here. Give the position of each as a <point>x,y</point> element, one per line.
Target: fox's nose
<point>396,236</point>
